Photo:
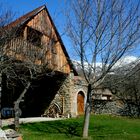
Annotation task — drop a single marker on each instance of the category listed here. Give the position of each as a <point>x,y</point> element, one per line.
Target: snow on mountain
<point>123,62</point>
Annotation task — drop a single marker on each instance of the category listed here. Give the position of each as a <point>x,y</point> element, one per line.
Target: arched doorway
<point>80,103</point>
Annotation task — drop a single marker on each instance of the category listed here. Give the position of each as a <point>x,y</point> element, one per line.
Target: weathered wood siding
<point>50,50</point>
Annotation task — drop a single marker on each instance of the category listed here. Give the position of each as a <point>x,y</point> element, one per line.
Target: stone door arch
<point>80,103</point>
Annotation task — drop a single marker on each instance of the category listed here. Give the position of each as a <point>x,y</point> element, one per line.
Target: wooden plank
<point>80,104</point>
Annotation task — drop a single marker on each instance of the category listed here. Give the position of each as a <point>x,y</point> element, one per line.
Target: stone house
<point>102,94</point>
<point>36,39</point>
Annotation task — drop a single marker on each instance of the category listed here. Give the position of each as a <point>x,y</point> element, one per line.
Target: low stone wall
<point>115,107</point>
<point>107,107</point>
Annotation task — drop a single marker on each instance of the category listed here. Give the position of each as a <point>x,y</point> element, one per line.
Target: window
<point>51,45</point>
<point>34,36</point>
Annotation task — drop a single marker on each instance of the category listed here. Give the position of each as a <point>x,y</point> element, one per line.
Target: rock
<point>12,134</point>
<point>17,138</point>
<point>2,135</point>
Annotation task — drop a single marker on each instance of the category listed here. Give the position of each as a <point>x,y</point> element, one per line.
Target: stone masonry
<point>66,98</point>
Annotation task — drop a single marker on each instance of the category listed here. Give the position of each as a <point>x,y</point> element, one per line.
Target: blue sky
<point>23,6</point>
<point>55,8</point>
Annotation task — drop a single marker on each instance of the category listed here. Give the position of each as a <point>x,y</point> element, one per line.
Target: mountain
<point>125,63</point>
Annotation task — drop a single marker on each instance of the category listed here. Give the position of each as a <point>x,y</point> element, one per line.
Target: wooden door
<point>80,103</point>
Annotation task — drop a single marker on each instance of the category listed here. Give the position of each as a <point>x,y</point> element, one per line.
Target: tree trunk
<point>0,98</point>
<point>87,113</point>
<point>17,115</point>
<point>16,106</point>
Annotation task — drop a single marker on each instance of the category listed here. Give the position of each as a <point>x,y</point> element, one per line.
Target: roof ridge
<point>25,17</point>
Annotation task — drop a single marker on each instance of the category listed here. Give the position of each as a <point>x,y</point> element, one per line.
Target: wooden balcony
<point>23,50</point>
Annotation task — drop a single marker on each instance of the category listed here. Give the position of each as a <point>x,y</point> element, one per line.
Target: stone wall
<point>63,97</point>
<point>115,107</point>
<point>66,97</point>
<point>107,107</point>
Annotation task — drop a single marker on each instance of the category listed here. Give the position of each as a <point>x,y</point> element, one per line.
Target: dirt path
<point>28,120</point>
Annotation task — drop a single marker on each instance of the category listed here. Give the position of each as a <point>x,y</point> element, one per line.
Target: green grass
<point>102,127</point>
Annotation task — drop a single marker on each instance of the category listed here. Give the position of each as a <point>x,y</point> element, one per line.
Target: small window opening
<point>34,36</point>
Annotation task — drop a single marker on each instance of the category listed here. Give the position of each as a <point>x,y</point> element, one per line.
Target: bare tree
<point>18,63</point>
<point>6,15</point>
<point>125,85</point>
<point>102,31</point>
<point>16,70</point>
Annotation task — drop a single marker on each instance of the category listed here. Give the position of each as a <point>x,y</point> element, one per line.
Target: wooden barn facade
<point>34,39</point>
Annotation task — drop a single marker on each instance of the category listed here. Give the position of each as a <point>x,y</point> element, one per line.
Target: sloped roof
<point>27,17</point>
<point>23,19</point>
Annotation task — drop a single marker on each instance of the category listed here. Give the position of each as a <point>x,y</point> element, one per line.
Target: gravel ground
<point>28,120</point>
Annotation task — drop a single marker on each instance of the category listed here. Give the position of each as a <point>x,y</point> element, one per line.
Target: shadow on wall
<point>38,97</point>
